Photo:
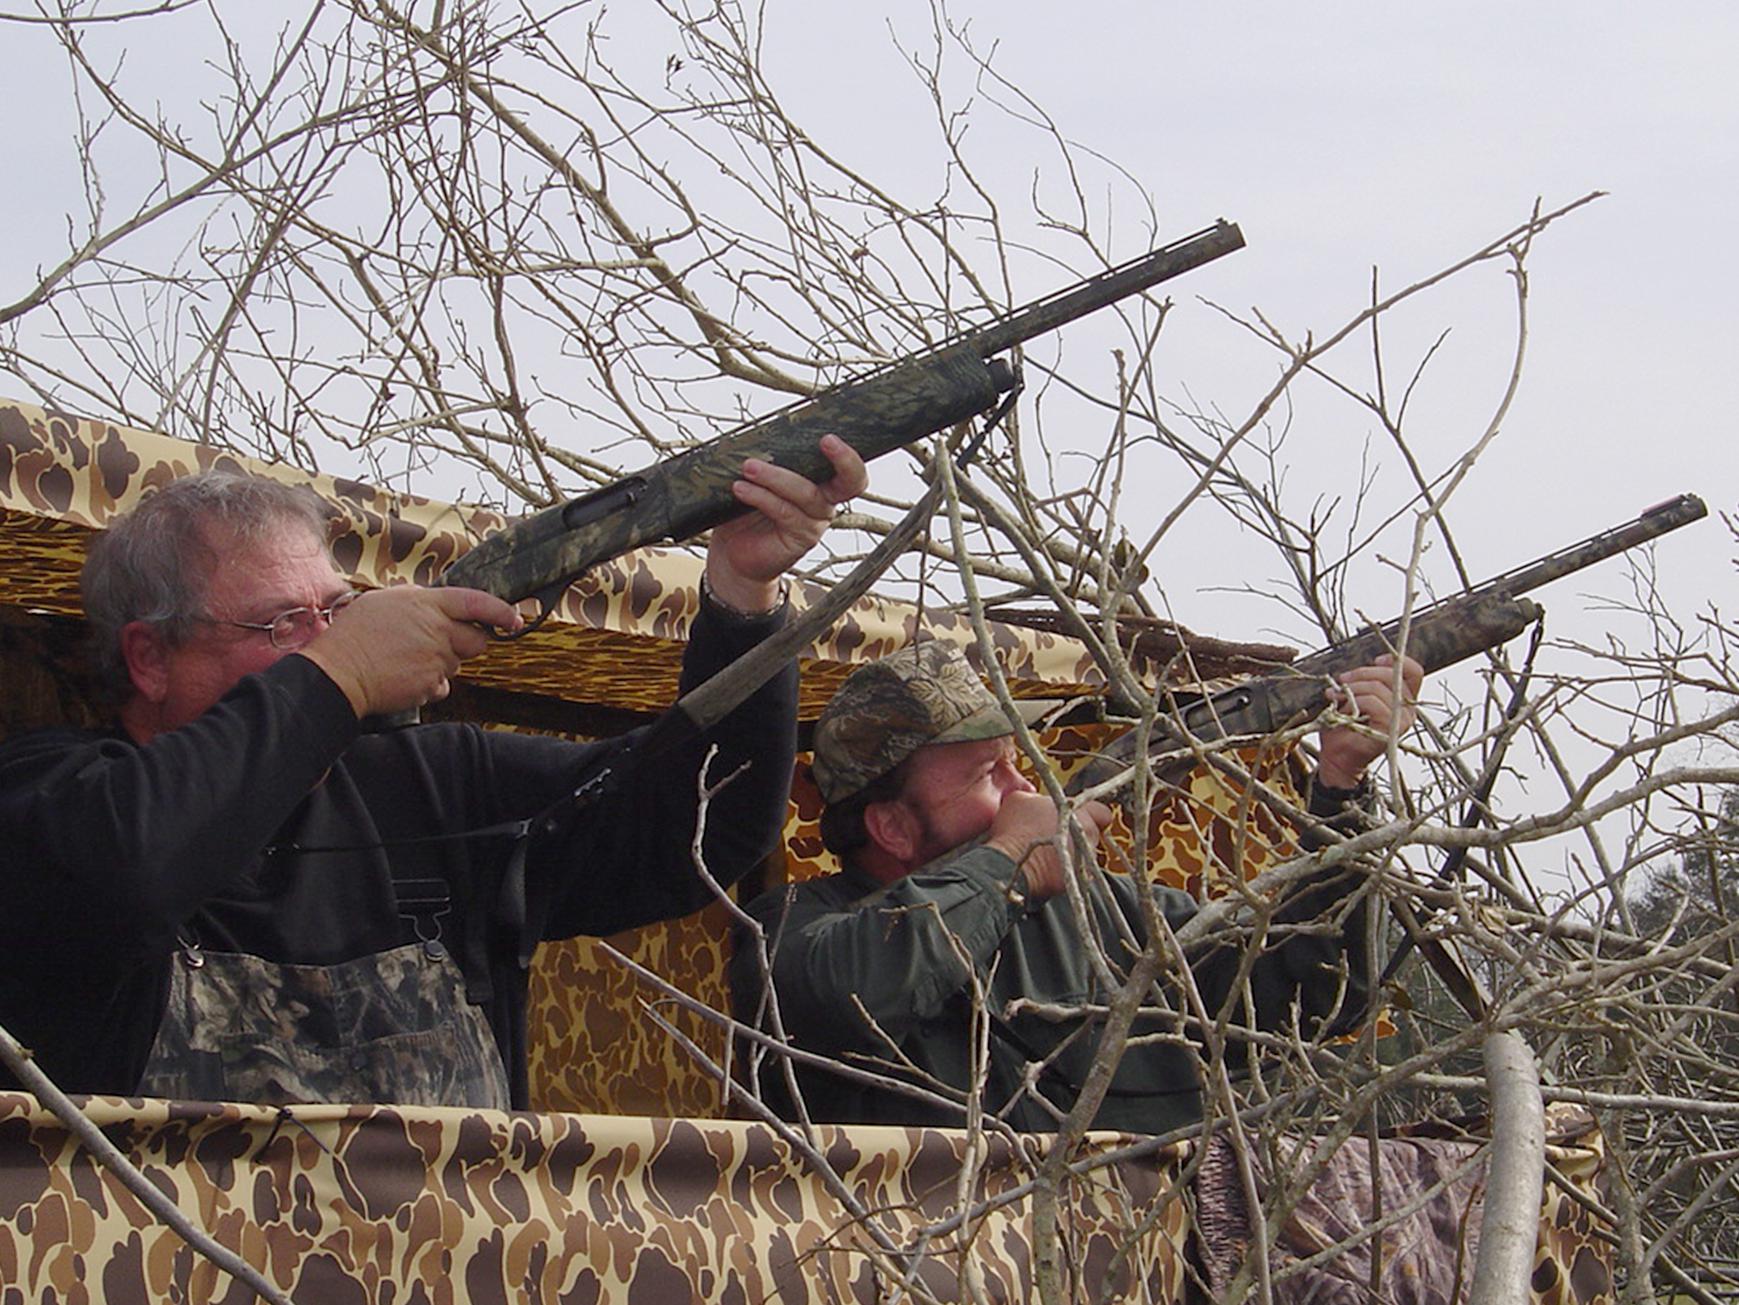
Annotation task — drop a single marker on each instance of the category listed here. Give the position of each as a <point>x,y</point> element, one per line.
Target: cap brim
<point>986,723</point>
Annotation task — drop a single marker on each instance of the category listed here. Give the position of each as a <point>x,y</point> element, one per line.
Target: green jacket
<point>847,951</point>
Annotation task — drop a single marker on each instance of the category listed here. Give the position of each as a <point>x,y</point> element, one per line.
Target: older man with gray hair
<point>238,894</point>
<point>951,903</point>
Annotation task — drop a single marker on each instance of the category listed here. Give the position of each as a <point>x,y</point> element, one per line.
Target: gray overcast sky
<point>1341,136</point>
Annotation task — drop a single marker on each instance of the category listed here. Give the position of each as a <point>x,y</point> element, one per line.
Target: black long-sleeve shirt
<point>271,826</point>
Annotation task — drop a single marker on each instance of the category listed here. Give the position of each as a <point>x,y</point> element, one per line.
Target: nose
<point>1010,779</point>
<point>324,616</point>
<point>312,625</point>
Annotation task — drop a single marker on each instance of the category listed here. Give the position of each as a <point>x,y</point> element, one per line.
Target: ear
<point>892,828</point>
<point>146,653</point>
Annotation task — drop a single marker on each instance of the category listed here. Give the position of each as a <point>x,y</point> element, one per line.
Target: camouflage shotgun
<point>1440,635</point>
<point>961,378</point>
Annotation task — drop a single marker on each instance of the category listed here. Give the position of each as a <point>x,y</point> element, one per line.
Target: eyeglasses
<point>293,629</point>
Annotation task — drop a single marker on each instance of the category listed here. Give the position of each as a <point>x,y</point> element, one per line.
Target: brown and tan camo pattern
<point>349,1204</point>
<point>340,1204</point>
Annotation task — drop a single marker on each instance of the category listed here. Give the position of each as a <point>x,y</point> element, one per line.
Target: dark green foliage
<point>1701,893</point>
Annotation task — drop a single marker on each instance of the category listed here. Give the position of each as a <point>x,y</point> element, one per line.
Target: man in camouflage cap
<point>923,695</point>
<point>954,880</point>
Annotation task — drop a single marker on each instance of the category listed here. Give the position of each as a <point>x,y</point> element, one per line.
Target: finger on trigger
<point>478,606</point>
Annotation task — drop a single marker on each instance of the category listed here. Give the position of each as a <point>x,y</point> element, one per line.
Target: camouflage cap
<point>886,711</point>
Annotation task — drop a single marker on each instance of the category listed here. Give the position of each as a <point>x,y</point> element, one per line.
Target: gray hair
<point>152,563</point>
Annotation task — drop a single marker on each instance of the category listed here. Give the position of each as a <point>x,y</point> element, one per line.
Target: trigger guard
<point>546,602</point>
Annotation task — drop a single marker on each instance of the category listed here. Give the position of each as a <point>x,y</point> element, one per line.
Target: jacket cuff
<point>998,875</point>
<point>722,610</point>
<point>318,700</point>
<point>1325,800</point>
<point>1340,808</point>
